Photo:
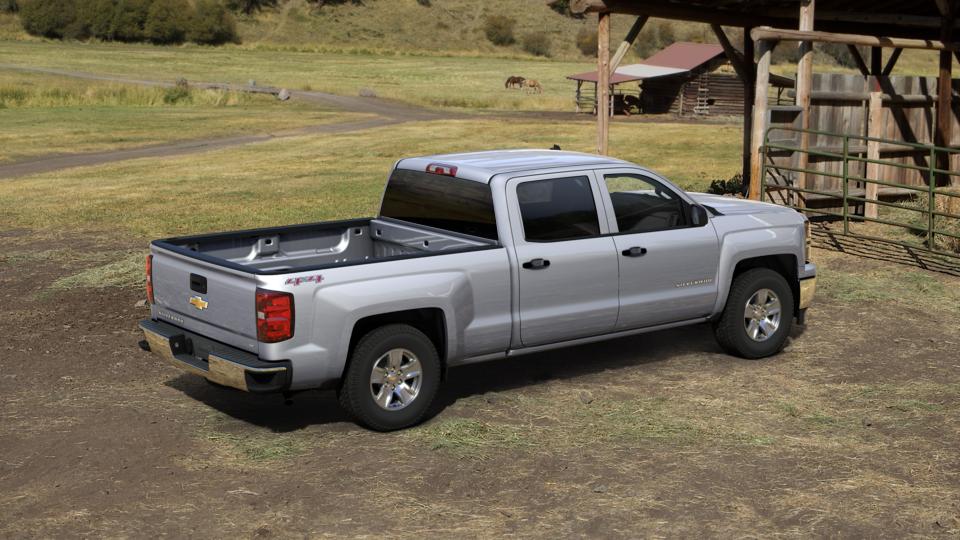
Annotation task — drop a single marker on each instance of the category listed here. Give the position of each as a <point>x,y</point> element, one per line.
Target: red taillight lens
<point>150,278</point>
<point>274,316</point>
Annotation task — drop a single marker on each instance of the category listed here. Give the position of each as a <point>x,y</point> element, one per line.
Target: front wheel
<point>758,316</point>
<point>393,376</point>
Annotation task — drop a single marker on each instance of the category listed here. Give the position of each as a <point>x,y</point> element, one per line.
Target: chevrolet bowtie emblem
<point>198,302</point>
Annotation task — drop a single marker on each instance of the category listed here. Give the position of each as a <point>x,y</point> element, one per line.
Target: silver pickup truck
<point>474,257</point>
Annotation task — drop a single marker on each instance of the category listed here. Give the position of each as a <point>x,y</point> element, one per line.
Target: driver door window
<point>641,204</point>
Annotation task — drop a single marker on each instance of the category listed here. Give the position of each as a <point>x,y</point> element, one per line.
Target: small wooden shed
<point>686,79</point>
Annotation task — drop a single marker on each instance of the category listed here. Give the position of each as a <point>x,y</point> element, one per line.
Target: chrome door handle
<point>536,264</point>
<point>635,251</point>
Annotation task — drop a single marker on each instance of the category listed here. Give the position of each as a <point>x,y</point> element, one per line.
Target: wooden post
<point>750,70</point>
<point>804,86</point>
<point>603,81</point>
<point>759,117</point>
<point>874,129</point>
<point>627,42</point>
<point>944,98</point>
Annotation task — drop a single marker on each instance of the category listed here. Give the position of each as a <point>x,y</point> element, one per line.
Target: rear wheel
<point>393,377</point>
<point>758,316</point>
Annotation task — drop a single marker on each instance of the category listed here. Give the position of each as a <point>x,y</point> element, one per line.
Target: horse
<point>533,86</point>
<point>514,82</point>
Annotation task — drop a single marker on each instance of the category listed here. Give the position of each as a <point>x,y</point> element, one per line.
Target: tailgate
<point>199,296</point>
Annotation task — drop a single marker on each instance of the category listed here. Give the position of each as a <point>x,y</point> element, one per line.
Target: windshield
<point>444,202</point>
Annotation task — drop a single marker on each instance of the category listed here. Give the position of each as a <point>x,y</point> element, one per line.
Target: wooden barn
<point>686,79</point>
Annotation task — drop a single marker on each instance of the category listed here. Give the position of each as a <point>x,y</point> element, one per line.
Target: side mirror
<point>698,215</point>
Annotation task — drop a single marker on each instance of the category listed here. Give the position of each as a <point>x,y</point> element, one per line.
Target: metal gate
<point>938,206</point>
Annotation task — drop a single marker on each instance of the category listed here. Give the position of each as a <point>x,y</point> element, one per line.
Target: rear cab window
<point>444,202</point>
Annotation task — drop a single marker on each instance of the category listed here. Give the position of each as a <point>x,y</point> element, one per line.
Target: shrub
<point>587,41</point>
<point>424,3</point>
<point>499,29</point>
<point>97,17</point>
<point>180,91</point>
<point>167,21</point>
<point>655,36</point>
<point>732,186</point>
<point>9,6</point>
<point>211,24</point>
<point>129,19</point>
<point>249,6</point>
<point>47,18</point>
<point>537,43</point>
<point>563,7</point>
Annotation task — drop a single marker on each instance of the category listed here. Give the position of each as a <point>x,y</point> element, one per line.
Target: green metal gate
<point>936,221</point>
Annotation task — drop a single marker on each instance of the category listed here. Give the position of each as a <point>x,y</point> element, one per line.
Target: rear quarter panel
<point>472,289</point>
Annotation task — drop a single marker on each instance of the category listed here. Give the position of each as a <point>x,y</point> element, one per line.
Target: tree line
<point>157,21</point>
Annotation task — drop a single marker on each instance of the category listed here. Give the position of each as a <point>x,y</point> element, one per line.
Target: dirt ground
<point>853,431</point>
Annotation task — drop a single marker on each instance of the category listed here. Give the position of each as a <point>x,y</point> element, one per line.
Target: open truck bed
<point>300,248</point>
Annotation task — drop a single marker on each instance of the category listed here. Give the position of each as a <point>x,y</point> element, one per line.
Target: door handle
<point>536,264</point>
<point>635,252</point>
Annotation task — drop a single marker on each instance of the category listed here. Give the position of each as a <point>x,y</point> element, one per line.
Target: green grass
<point>323,177</point>
<point>44,114</point>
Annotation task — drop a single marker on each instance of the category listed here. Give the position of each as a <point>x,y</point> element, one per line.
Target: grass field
<point>45,114</point>
<point>327,176</point>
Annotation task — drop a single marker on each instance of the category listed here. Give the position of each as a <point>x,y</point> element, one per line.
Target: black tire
<point>730,329</point>
<point>355,390</point>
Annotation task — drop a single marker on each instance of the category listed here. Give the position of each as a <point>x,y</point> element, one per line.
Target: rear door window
<point>558,209</point>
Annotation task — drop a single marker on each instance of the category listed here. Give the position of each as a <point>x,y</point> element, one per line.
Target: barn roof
<point>685,56</point>
<point>677,58</point>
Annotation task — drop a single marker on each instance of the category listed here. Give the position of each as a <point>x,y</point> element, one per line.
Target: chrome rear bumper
<point>214,361</point>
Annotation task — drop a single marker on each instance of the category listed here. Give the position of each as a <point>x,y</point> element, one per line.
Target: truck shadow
<point>321,407</point>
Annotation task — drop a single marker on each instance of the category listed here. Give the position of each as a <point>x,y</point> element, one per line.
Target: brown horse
<point>514,82</point>
<point>533,86</point>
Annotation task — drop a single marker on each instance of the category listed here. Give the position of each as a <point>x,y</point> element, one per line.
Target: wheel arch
<point>432,321</point>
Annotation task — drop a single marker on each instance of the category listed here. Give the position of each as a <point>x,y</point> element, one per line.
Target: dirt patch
<point>850,432</point>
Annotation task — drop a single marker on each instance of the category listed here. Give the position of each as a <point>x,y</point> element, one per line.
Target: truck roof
<point>481,166</point>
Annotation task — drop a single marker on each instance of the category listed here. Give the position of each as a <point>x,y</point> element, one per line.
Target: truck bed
<point>299,248</point>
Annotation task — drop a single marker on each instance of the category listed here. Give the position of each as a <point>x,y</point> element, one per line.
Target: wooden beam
<point>876,61</point>
<point>853,39</point>
<point>730,13</point>
<point>858,59</point>
<point>804,87</point>
<point>943,6</point>
<point>750,69</point>
<point>603,82</point>
<point>874,130</point>
<point>762,82</point>
<point>733,55</point>
<point>627,42</point>
<point>892,61</point>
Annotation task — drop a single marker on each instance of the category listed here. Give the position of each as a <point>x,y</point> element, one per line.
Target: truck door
<point>668,267</point>
<point>568,284</point>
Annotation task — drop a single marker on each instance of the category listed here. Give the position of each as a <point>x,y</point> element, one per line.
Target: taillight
<point>442,168</point>
<point>150,278</point>
<point>274,316</point>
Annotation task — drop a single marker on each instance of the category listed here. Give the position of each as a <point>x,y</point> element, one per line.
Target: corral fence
<point>918,198</point>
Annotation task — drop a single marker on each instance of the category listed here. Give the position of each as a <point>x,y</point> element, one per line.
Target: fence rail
<point>939,220</point>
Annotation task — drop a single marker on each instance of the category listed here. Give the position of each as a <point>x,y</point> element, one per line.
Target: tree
<point>9,6</point>
<point>249,6</point>
<point>211,24</point>
<point>167,21</point>
<point>537,44</point>
<point>47,18</point>
<point>499,29</point>
<point>98,16</point>
<point>129,18</point>
<point>587,41</point>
